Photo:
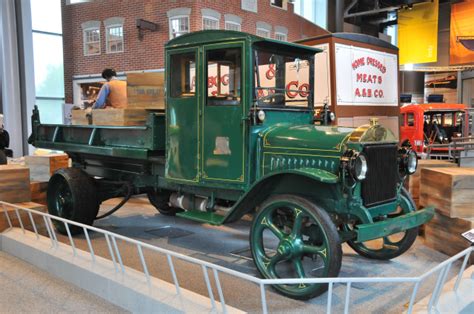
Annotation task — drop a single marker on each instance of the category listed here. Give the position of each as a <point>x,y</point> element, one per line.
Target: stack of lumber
<point>451,191</point>
<point>79,117</point>
<point>25,219</point>
<point>146,90</point>
<point>42,167</point>
<point>414,180</point>
<point>38,192</point>
<point>14,184</point>
<point>119,117</point>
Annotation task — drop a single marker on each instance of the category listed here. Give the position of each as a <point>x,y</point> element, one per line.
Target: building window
<point>114,38</point>
<point>209,23</point>
<point>179,26</point>
<point>263,33</point>
<point>231,26</point>
<point>280,36</point>
<point>232,22</point>
<point>91,42</point>
<point>282,4</point>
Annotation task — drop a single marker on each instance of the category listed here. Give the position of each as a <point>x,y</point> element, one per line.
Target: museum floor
<point>228,246</point>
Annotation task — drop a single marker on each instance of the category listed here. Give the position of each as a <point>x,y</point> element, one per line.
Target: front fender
<point>302,181</point>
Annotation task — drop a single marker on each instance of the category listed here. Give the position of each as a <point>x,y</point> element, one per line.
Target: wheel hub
<point>290,248</point>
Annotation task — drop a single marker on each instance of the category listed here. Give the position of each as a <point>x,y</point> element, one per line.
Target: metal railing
<point>111,238</point>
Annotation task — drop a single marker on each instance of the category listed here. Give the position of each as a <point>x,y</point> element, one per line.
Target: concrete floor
<point>228,246</point>
<point>26,289</point>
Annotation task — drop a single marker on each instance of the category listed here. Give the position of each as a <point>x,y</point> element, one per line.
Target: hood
<point>307,137</point>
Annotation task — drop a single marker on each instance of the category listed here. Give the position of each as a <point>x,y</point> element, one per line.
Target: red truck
<point>434,123</point>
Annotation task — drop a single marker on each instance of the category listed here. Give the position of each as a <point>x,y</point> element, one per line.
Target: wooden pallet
<point>119,117</point>
<point>43,167</point>
<point>443,234</point>
<point>79,117</point>
<point>14,184</point>
<point>450,190</point>
<point>413,184</point>
<point>38,192</point>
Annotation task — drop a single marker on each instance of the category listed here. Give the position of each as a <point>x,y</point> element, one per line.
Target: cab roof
<point>222,36</point>
<point>432,107</point>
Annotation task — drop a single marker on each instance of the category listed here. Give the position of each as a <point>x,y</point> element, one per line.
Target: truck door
<point>223,127</point>
<point>182,118</point>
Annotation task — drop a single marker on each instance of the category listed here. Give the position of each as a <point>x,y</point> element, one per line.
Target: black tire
<point>3,158</point>
<point>160,200</point>
<point>403,244</point>
<point>72,194</point>
<point>328,235</point>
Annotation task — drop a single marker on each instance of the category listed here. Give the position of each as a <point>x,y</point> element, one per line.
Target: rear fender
<point>307,182</point>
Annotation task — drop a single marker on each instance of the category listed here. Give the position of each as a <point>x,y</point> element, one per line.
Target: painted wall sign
<point>461,43</point>
<point>365,77</point>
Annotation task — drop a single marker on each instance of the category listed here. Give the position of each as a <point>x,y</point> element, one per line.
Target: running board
<point>205,217</point>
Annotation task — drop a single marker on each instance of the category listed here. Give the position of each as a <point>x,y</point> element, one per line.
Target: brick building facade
<point>94,21</point>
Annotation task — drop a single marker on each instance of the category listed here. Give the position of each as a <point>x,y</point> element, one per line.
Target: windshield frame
<point>287,50</point>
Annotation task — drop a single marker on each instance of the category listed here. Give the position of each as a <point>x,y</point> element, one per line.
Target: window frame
<point>85,43</point>
<point>284,5</point>
<point>233,23</point>
<point>408,120</point>
<point>177,17</point>
<point>281,34</point>
<point>264,30</point>
<point>107,40</point>
<point>171,81</point>
<point>211,18</point>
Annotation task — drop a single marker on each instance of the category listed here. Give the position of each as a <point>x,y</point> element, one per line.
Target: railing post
<point>264,298</point>
<point>329,305</point>
<point>219,290</point>
<point>208,285</point>
<point>33,224</point>
<point>443,280</point>
<point>119,257</point>
<point>348,297</point>
<point>436,288</point>
<point>70,239</point>
<point>53,232</point>
<point>19,219</point>
<point>461,271</point>
<point>142,259</point>
<point>91,249</point>
<point>6,214</point>
<point>173,273</point>
<point>49,231</point>
<point>413,296</point>
<point>112,255</point>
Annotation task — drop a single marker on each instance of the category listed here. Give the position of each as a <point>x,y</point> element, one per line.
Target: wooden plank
<point>148,78</point>
<point>78,117</point>
<point>42,167</point>
<point>14,184</point>
<point>23,215</point>
<point>38,192</point>
<point>413,183</point>
<point>450,190</point>
<point>443,234</point>
<point>119,117</point>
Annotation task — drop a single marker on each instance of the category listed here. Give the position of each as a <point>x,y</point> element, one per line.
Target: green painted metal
<point>204,217</point>
<point>366,232</point>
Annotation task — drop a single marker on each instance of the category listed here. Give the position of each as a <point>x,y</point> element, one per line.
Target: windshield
<point>282,79</point>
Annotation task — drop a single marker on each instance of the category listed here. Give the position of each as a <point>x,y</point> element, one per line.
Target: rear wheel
<point>72,194</point>
<point>160,199</point>
<point>393,245</point>
<point>291,237</point>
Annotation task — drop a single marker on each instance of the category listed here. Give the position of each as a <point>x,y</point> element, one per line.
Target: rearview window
<point>182,75</point>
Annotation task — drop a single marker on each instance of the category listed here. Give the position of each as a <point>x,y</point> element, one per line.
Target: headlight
<point>411,162</point>
<point>359,167</point>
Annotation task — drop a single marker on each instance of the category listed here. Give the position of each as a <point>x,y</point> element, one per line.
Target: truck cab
<point>238,138</point>
<point>433,123</point>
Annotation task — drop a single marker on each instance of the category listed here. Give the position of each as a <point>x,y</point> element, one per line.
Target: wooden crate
<point>38,192</point>
<point>23,215</point>
<point>79,117</point>
<point>14,184</point>
<point>450,190</point>
<point>119,117</point>
<point>146,90</point>
<point>443,234</point>
<point>42,167</point>
<point>413,184</point>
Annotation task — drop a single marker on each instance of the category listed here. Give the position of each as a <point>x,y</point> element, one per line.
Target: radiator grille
<point>380,186</point>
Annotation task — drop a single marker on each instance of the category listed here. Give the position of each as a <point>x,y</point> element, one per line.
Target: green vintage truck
<point>232,143</point>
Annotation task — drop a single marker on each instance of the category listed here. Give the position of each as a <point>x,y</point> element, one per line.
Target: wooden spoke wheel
<point>291,237</point>
<point>72,194</point>
<point>393,245</point>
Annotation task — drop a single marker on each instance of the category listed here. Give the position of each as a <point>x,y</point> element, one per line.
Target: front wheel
<point>72,194</point>
<point>291,237</point>
<point>393,245</point>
